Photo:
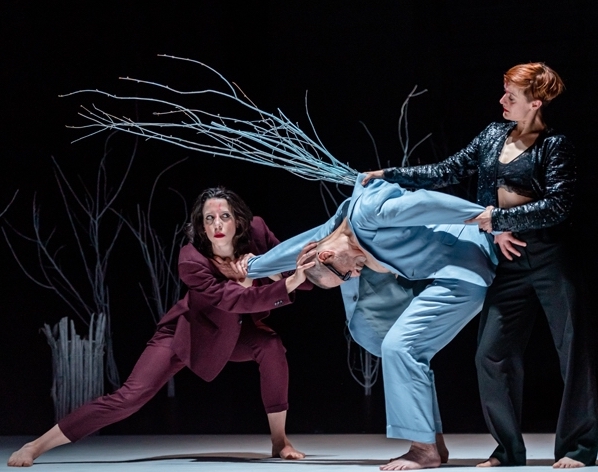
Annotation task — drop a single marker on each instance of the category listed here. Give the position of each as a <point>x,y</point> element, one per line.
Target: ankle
<point>421,445</point>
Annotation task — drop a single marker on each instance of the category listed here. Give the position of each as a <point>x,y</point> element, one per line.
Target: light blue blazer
<point>416,235</point>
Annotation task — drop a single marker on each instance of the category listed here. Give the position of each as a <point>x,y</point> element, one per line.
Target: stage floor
<point>325,453</point>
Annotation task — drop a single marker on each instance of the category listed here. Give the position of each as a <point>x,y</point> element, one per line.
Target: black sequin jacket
<point>553,178</point>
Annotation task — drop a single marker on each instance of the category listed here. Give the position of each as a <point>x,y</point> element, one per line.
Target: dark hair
<point>241,214</point>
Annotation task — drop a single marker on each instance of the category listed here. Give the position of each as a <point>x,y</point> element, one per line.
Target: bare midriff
<point>508,199</point>
<point>510,151</point>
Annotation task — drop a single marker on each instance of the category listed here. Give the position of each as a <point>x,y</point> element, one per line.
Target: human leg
<point>430,322</point>
<point>506,322</point>
<point>576,441</point>
<point>264,346</point>
<point>155,366</point>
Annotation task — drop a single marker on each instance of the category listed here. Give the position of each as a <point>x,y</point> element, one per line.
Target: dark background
<point>358,60</point>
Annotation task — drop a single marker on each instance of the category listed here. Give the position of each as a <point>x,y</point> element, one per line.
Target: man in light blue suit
<point>386,235</point>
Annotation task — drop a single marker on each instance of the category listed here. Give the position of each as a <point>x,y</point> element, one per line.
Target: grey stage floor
<point>325,453</point>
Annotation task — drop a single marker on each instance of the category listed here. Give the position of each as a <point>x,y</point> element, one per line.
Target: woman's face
<point>218,222</point>
<point>515,105</point>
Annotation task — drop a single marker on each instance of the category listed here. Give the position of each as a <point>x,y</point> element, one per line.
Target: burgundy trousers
<point>158,363</point>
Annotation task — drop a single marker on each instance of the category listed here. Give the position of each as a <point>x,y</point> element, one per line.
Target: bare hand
<point>235,270</point>
<point>307,254</point>
<point>240,265</point>
<point>224,266</point>
<point>376,174</point>
<point>506,242</point>
<point>483,220</point>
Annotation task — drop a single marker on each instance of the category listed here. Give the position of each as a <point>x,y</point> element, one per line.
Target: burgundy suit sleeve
<point>205,290</point>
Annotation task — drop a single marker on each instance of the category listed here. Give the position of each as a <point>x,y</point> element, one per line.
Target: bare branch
<point>159,258</point>
<point>85,211</point>
<point>404,128</point>
<point>270,139</point>
<point>9,203</point>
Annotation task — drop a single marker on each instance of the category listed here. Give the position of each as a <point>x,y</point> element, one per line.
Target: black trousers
<point>542,277</point>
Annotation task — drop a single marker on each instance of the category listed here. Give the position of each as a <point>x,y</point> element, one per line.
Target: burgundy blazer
<point>208,319</point>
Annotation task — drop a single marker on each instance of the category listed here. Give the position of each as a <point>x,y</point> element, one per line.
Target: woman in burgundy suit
<point>217,321</point>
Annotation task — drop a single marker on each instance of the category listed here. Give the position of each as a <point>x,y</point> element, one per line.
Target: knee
<point>480,359</point>
<point>487,359</point>
<point>397,350</point>
<point>272,347</point>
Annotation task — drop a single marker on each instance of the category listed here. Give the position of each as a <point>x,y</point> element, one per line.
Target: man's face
<point>343,265</point>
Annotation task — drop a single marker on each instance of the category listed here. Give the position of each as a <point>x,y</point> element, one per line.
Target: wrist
<point>290,283</point>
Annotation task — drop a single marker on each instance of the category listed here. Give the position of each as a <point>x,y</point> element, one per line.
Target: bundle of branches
<point>268,139</point>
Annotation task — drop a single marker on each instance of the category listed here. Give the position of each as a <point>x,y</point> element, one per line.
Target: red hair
<point>538,81</point>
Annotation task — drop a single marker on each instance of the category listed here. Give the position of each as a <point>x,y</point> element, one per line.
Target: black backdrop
<point>358,60</point>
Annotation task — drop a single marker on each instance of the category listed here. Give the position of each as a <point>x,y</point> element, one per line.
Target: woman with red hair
<point>526,180</point>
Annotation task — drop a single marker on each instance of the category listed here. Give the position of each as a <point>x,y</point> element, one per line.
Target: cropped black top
<point>516,176</point>
<point>552,177</point>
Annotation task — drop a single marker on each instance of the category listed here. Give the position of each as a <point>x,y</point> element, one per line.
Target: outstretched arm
<point>433,176</point>
<point>283,257</point>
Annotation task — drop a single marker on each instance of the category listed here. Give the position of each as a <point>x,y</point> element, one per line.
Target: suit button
<point>354,298</point>
<point>240,320</point>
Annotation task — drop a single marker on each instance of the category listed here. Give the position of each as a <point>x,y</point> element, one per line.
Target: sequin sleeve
<point>557,176</point>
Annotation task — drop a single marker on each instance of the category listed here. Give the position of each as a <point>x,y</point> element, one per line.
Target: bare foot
<point>491,462</point>
<point>419,456</point>
<point>567,463</point>
<point>24,457</point>
<point>281,446</point>
<point>287,452</point>
<point>442,449</point>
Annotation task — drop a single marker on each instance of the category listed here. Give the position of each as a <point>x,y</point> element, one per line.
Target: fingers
<point>307,265</point>
<point>507,253</point>
<point>306,249</point>
<point>484,220</point>
<point>301,261</point>
<point>235,268</point>
<point>514,251</point>
<point>476,220</point>
<point>372,175</point>
<point>307,254</point>
<point>240,265</point>
<point>516,241</point>
<point>506,242</point>
<point>302,265</point>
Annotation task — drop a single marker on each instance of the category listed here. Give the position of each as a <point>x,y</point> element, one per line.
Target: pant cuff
<point>398,432</point>
<point>277,408</point>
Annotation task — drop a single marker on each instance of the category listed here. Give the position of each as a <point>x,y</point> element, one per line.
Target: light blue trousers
<point>430,321</point>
